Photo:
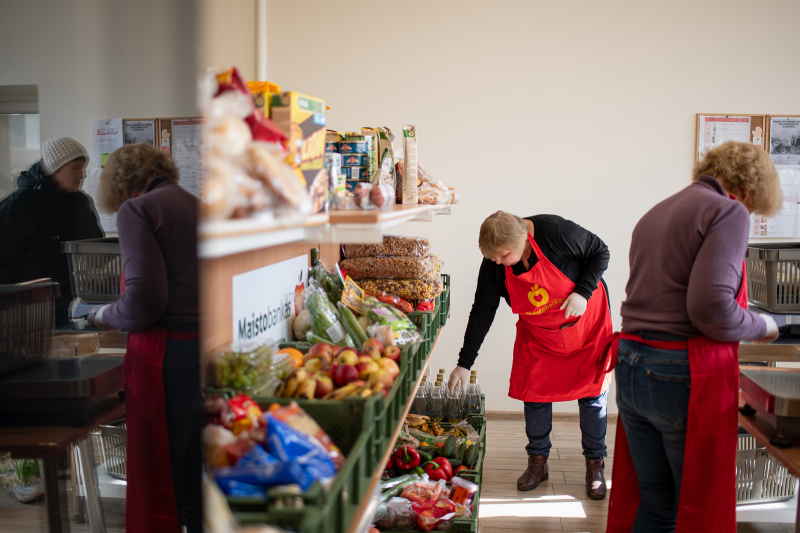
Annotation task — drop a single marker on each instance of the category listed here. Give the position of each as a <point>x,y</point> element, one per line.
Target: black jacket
<point>34,221</point>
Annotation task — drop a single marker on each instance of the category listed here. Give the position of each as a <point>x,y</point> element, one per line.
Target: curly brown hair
<point>129,170</point>
<point>744,168</point>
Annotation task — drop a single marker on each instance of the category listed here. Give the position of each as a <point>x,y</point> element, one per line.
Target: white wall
<point>100,59</point>
<point>228,35</point>
<point>581,108</point>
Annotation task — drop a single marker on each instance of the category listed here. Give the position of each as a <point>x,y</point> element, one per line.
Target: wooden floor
<point>558,504</point>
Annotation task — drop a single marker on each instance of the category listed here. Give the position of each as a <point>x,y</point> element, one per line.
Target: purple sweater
<point>686,267</point>
<point>158,242</point>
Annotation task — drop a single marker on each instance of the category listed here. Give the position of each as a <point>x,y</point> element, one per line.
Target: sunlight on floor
<point>545,506</point>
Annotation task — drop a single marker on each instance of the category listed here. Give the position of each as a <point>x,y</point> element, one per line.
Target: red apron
<point>552,364</point>
<point>708,486</point>
<point>151,505</point>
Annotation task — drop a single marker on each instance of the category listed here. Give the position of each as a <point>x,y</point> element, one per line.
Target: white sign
<point>264,300</point>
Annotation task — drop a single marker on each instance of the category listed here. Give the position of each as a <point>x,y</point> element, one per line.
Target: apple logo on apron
<point>538,292</point>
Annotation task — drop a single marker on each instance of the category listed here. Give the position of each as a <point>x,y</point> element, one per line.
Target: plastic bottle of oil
<point>438,403</point>
<point>472,399</point>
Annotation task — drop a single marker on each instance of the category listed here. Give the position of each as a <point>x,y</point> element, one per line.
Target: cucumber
<point>313,338</point>
<point>397,489</point>
<point>352,326</point>
<point>390,483</point>
<point>450,446</point>
<point>455,463</point>
<point>462,450</point>
<point>346,342</point>
<point>424,457</point>
<point>438,452</point>
<point>302,346</point>
<point>471,456</point>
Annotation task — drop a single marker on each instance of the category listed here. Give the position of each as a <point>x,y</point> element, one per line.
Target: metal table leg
<point>57,522</point>
<point>91,486</point>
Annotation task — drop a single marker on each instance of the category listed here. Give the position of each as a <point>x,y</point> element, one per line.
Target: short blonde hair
<point>129,170</point>
<point>744,168</point>
<point>502,231</point>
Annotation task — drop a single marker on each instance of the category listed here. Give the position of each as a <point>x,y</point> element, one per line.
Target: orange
<point>296,354</point>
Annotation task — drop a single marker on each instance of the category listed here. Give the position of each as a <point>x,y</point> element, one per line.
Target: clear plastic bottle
<point>438,403</point>
<point>420,404</point>
<point>474,374</point>
<point>472,399</point>
<point>455,411</point>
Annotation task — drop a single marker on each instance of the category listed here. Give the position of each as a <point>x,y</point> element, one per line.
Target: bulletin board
<point>139,130</point>
<point>181,138</point>
<point>712,129</point>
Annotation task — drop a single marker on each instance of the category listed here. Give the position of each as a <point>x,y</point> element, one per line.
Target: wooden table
<point>769,353</point>
<point>50,442</point>
<point>762,431</point>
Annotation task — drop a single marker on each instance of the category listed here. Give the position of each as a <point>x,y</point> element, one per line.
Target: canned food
<point>357,173</point>
<point>350,185</point>
<point>332,147</point>
<point>356,160</point>
<point>354,147</point>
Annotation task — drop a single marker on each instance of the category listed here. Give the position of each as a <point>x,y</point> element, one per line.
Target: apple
<point>390,366</point>
<point>372,352</point>
<point>335,349</point>
<point>373,343</point>
<point>330,370</point>
<point>382,376</point>
<point>364,359</point>
<point>360,383</point>
<point>365,369</point>
<point>348,356</point>
<point>324,386</point>
<point>393,353</point>
<point>321,348</point>
<point>345,374</point>
<point>314,365</point>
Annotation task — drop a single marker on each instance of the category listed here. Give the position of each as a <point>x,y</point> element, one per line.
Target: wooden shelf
<point>368,505</point>
<point>228,237</point>
<point>369,225</point>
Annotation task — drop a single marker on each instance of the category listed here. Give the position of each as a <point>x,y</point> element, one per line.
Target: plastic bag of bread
<point>389,267</point>
<point>265,162</point>
<point>228,192</point>
<point>392,245</point>
<point>429,194</point>
<point>410,289</point>
<point>454,196</point>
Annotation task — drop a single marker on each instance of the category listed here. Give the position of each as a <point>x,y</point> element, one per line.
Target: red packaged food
<point>431,514</point>
<point>426,305</point>
<point>246,413</point>
<point>397,302</point>
<point>262,128</point>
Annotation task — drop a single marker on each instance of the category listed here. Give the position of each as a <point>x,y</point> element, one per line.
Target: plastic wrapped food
<point>454,196</point>
<point>424,490</point>
<point>386,315</point>
<point>432,515</point>
<point>292,446</point>
<point>411,289</point>
<point>330,279</point>
<point>437,261</point>
<point>296,417</point>
<point>397,515</point>
<point>392,245</point>
<point>462,491</point>
<point>324,316</point>
<point>397,302</point>
<point>429,194</point>
<point>248,366</point>
<point>389,267</point>
<point>265,162</point>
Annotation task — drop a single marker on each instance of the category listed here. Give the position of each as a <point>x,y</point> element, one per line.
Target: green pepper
<point>418,471</point>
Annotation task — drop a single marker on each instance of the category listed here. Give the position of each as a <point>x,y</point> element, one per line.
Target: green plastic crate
<point>445,299</point>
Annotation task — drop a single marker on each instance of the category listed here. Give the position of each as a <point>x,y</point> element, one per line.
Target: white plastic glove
<point>772,330</point>
<point>461,373</point>
<point>575,304</point>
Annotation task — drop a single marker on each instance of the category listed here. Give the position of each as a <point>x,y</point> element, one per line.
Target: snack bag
<point>259,467</point>
<point>434,514</point>
<point>246,413</point>
<point>262,128</point>
<point>292,446</point>
<point>296,417</point>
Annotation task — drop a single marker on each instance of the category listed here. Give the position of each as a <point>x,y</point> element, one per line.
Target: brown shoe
<point>595,481</point>
<point>536,472</point>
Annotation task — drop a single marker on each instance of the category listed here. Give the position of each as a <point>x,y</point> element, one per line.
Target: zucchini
<point>397,489</point>
<point>450,446</point>
<point>352,326</point>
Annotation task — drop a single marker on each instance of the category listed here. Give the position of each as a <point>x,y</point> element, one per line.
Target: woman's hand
<point>461,373</point>
<point>772,330</point>
<point>97,319</point>
<point>575,304</point>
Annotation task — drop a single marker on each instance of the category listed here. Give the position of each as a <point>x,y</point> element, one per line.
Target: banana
<point>377,387</point>
<point>293,382</point>
<point>342,392</point>
<point>366,393</point>
<point>306,389</point>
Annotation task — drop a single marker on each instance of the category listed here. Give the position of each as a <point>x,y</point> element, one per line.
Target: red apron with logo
<point>554,357</point>
<point>708,484</point>
<point>150,496</point>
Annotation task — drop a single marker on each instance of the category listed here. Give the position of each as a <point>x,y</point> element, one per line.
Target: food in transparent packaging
<point>330,279</point>
<point>353,296</point>
<point>385,334</point>
<point>324,317</point>
<point>424,490</point>
<point>397,302</point>
<point>462,491</point>
<point>438,515</point>
<point>411,289</point>
<point>392,245</point>
<point>429,194</point>
<point>397,515</point>
<point>454,196</point>
<point>389,267</point>
<point>245,366</point>
<point>296,417</point>
<point>265,162</point>
<point>438,262</point>
<point>386,315</point>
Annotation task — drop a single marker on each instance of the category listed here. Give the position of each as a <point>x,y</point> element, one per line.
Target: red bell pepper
<point>439,468</point>
<point>406,458</point>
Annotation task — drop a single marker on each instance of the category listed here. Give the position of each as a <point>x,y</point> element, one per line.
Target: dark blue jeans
<point>653,388</point>
<point>539,425</point>
<point>184,403</point>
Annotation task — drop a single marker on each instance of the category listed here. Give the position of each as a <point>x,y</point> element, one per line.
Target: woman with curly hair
<point>676,358</point>
<point>157,222</point>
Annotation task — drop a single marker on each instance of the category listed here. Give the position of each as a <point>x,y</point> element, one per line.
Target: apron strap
<point>608,355</point>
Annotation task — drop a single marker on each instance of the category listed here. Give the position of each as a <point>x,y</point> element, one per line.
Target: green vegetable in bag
<point>325,319</point>
<point>352,326</point>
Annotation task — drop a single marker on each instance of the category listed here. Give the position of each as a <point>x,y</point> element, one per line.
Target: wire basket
<point>114,446</point>
<point>760,477</point>
<point>773,277</point>
<point>95,268</point>
<point>27,321</point>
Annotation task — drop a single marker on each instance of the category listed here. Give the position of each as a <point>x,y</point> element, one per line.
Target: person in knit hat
<point>47,208</point>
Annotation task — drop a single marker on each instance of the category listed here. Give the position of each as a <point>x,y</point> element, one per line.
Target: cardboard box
<point>302,119</point>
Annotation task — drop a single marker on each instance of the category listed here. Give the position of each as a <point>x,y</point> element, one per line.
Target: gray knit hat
<point>59,151</point>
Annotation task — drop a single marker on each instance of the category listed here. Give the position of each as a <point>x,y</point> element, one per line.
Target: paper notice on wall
<point>787,222</point>
<point>784,141</point>
<point>106,137</point>
<point>187,152</point>
<point>716,130</point>
<point>139,131</point>
<point>91,185</point>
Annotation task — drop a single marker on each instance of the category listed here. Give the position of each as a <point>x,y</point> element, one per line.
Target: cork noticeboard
<point>714,128</point>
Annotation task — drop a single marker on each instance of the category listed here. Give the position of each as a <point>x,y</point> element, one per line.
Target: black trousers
<point>184,404</point>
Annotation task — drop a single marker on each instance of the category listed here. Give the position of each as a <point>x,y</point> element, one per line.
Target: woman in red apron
<point>549,271</point>
<point>157,223</point>
<point>676,359</point>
